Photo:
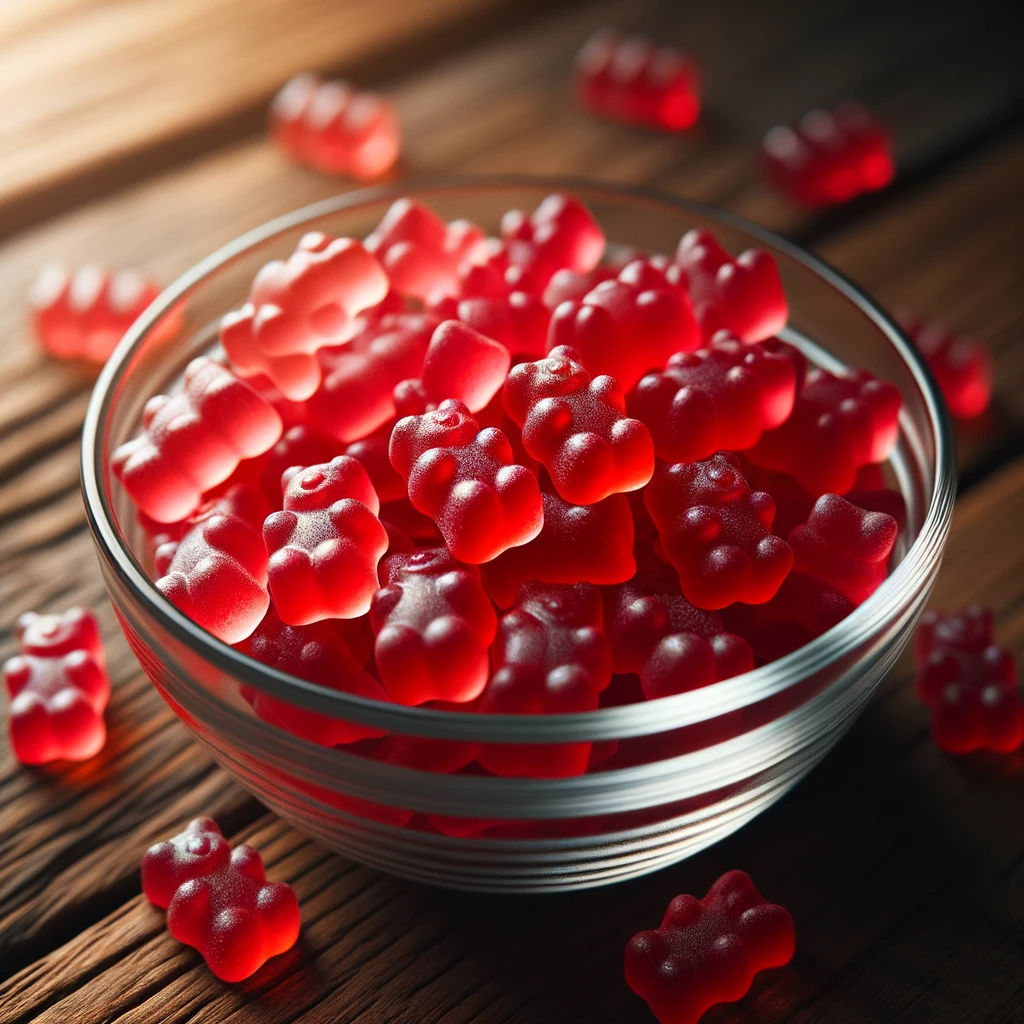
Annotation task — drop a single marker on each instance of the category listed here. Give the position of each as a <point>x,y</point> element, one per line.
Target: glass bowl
<point>667,777</point>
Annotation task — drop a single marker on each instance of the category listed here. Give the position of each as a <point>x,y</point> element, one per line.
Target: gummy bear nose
<point>198,845</point>
<point>312,480</point>
<point>724,479</point>
<point>558,366</point>
<point>446,417</point>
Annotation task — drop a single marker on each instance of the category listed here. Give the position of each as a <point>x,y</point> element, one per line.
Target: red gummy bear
<point>219,901</point>
<point>839,423</point>
<point>335,127</point>
<point>325,544</point>
<point>635,81</point>
<point>743,295</point>
<point>968,682</point>
<point>300,445</point>
<point>372,452</point>
<point>194,441</point>
<point>628,325</point>
<point>83,315</point>
<point>518,320</point>
<point>721,397</point>
<point>830,157</point>
<point>550,657</point>
<point>577,428</point>
<point>578,544</point>
<point>466,481</point>
<point>314,652</point>
<point>434,625</point>
<point>708,951</point>
<point>717,533</point>
<point>58,688</point>
<point>962,367</point>
<point>299,305</point>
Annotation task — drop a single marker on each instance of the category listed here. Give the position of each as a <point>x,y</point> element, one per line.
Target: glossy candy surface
<point>961,365</point>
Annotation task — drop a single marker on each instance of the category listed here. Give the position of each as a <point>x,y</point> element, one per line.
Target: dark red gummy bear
<point>717,532</point>
<point>839,423</point>
<point>550,656</point>
<point>577,428</point>
<point>968,682</point>
<point>465,479</point>
<point>720,397</point>
<point>434,624</point>
<point>219,901</point>
<point>708,951</point>
<point>961,365</point>
<point>743,295</point>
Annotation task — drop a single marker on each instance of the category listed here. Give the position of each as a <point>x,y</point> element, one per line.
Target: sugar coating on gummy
<point>50,635</point>
<point>717,532</point>
<point>324,545</point>
<point>434,625</point>
<point>299,305</point>
<point>577,428</point>
<point>193,441</point>
<point>961,365</point>
<point>720,397</point>
<point>466,481</point>
<point>219,901</point>
<point>335,127</point>
<point>708,951</point>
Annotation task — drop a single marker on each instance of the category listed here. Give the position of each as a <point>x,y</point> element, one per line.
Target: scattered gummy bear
<point>335,127</point>
<point>219,901</point>
<point>708,951</point>
<point>961,365</point>
<point>968,682</point>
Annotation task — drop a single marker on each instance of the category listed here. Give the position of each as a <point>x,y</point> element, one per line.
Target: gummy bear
<point>961,365</point>
<point>300,445</point>
<point>968,682</point>
<point>325,544</point>
<point>315,652</point>
<point>299,305</point>
<point>334,127</point>
<point>550,656</point>
<point>717,533</point>
<point>58,688</point>
<point>708,951</point>
<point>627,326</point>
<point>372,452</point>
<point>434,625</point>
<point>720,397</point>
<point>578,544</point>
<point>219,901</point>
<point>217,573</point>
<point>517,320</point>
<point>830,157</point>
<point>839,423</point>
<point>570,286</point>
<point>85,313</point>
<point>743,295</point>
<point>635,81</point>
<point>466,481</point>
<point>193,441</point>
<point>577,428</point>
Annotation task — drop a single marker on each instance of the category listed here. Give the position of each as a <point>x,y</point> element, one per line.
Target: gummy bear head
<point>75,629</point>
<point>569,604</point>
<point>315,488</point>
<point>198,851</point>
<point>969,630</point>
<point>718,480</point>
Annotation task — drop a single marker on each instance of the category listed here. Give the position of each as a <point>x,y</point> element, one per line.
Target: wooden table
<point>131,133</point>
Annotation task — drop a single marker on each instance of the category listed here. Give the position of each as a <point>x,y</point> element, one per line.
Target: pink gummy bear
<point>961,365</point>
<point>217,572</point>
<point>627,326</point>
<point>550,656</point>
<point>85,313</point>
<point>743,295</point>
<point>466,481</point>
<point>58,688</point>
<point>219,901</point>
<point>830,157</point>
<point>717,533</point>
<point>434,625</point>
<point>299,305</point>
<point>577,428</point>
<point>325,544</point>
<point>193,441</point>
<point>968,682</point>
<point>635,81</point>
<point>334,127</point>
<point>708,951</point>
<point>839,423</point>
<point>315,652</point>
<point>720,397</point>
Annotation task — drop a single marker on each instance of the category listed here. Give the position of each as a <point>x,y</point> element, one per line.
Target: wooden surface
<point>131,134</point>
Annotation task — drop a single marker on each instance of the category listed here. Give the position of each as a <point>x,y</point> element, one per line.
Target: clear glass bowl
<point>677,774</point>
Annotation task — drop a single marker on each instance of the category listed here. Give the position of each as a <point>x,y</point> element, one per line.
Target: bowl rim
<point>666,713</point>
